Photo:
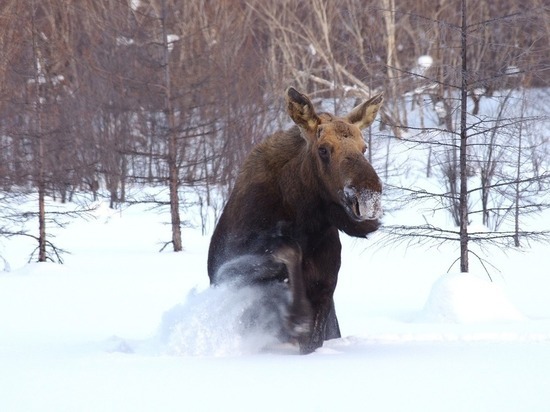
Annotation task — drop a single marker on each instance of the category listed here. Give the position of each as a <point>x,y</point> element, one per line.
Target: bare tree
<point>472,144</point>
<point>173,170</point>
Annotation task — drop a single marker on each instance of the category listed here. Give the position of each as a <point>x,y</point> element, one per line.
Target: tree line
<point>97,94</point>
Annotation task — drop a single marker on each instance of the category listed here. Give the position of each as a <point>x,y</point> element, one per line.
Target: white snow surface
<point>122,327</point>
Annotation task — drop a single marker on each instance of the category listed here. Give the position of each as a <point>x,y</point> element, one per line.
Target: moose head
<point>336,149</point>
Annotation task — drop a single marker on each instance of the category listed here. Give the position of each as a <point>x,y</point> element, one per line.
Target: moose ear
<point>301,110</point>
<point>363,115</point>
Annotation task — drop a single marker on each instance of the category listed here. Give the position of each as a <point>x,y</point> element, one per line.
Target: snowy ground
<point>89,335</point>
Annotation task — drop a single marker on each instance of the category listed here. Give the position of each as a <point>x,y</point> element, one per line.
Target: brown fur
<point>293,194</point>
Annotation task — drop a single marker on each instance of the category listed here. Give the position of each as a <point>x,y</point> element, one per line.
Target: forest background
<point>99,95</point>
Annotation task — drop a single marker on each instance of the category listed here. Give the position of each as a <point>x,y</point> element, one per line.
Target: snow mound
<point>467,298</point>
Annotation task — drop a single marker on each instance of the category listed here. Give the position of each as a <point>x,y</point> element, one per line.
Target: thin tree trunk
<point>391,64</point>
<point>463,199</point>
<point>518,176</point>
<point>40,182</point>
<point>173,175</point>
<point>41,204</point>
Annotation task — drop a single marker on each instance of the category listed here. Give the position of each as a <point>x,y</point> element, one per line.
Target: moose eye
<point>324,153</point>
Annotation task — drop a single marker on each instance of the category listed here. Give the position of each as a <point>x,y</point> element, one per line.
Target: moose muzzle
<point>363,204</point>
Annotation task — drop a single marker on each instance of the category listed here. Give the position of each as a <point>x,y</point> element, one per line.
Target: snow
<point>135,4</point>
<point>123,327</point>
<point>425,61</point>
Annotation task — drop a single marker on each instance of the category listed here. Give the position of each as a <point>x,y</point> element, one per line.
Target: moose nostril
<point>350,191</point>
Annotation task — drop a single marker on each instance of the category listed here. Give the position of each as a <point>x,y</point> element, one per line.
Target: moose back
<point>279,229</point>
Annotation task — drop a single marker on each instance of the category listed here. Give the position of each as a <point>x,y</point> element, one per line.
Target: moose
<point>279,230</point>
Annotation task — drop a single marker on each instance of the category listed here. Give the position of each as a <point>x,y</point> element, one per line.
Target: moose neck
<point>304,193</point>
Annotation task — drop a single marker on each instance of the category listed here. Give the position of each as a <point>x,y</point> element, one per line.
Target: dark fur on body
<point>285,212</point>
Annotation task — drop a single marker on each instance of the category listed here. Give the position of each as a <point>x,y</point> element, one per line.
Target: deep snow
<point>122,327</point>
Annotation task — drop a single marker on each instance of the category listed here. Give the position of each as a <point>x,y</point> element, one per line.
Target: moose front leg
<point>299,320</point>
<point>321,273</point>
<point>332,328</point>
<point>325,326</point>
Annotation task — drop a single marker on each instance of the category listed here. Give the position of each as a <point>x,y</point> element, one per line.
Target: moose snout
<point>363,203</point>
